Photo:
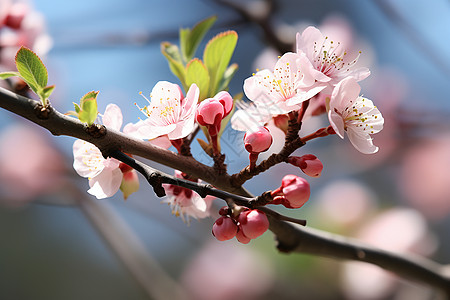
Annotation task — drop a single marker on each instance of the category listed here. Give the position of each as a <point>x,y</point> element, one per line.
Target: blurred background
<point>51,243</point>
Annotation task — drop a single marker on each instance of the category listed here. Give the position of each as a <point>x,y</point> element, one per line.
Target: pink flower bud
<point>241,237</point>
<point>226,100</point>
<point>296,191</point>
<point>130,183</point>
<point>253,223</point>
<point>309,164</point>
<point>224,229</point>
<point>258,141</point>
<point>210,113</point>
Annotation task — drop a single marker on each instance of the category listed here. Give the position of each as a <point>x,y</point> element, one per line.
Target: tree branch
<point>290,237</point>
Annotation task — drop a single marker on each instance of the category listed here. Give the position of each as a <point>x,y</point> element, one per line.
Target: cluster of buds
<point>293,192</point>
<point>210,113</point>
<point>257,141</point>
<point>243,223</point>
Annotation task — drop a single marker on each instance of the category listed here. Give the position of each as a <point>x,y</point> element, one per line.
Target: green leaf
<point>227,76</point>
<point>217,56</point>
<point>77,108</point>
<point>31,69</point>
<point>191,39</point>
<point>197,73</point>
<point>5,75</point>
<point>47,91</point>
<point>172,54</point>
<point>89,111</point>
<point>184,41</point>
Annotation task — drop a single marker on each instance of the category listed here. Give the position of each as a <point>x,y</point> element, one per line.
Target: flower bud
<point>210,113</point>
<point>253,223</point>
<point>295,190</point>
<point>309,164</point>
<point>226,100</point>
<point>130,183</point>
<point>224,229</point>
<point>241,237</point>
<point>258,140</point>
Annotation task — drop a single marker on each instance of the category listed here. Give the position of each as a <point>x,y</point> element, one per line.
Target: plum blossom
<point>329,59</point>
<point>169,112</point>
<point>282,90</point>
<point>186,203</point>
<point>347,111</point>
<point>105,175</point>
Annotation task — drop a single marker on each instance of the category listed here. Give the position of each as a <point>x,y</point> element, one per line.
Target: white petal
<point>198,202</point>
<point>337,123</point>
<point>88,160</point>
<point>362,142</point>
<point>150,132</point>
<point>182,129</point>
<point>112,117</point>
<point>344,93</point>
<point>105,184</point>
<point>243,120</point>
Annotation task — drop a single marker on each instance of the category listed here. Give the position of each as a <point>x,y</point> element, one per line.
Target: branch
<point>290,237</point>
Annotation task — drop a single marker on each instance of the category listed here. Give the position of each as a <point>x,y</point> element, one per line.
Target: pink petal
<point>190,102</point>
<point>83,151</point>
<point>337,122</point>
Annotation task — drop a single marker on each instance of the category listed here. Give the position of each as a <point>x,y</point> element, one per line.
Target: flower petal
<point>88,160</point>
<point>362,142</point>
<point>112,117</point>
<point>105,184</point>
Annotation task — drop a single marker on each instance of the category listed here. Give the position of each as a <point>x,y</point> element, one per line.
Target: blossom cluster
<point>319,72</point>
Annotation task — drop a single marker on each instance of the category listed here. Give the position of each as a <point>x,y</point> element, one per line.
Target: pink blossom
<point>169,112</point>
<point>282,90</point>
<point>105,176</point>
<point>224,229</point>
<point>308,163</point>
<point>329,59</point>
<point>253,223</point>
<point>351,113</point>
<point>185,202</point>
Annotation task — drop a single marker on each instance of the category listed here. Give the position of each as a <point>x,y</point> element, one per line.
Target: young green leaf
<point>172,54</point>
<point>191,39</point>
<point>88,105</point>
<point>77,108</point>
<point>197,73</point>
<point>5,75</point>
<point>217,56</point>
<point>47,91</point>
<point>227,76</point>
<point>31,70</point>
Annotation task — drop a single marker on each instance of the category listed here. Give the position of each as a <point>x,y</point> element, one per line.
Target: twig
<point>291,238</point>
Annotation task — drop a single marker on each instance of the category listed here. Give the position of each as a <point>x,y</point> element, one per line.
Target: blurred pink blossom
<point>399,230</point>
<point>424,177</point>
<point>345,202</point>
<point>26,174</point>
<point>21,26</point>
<point>223,271</point>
